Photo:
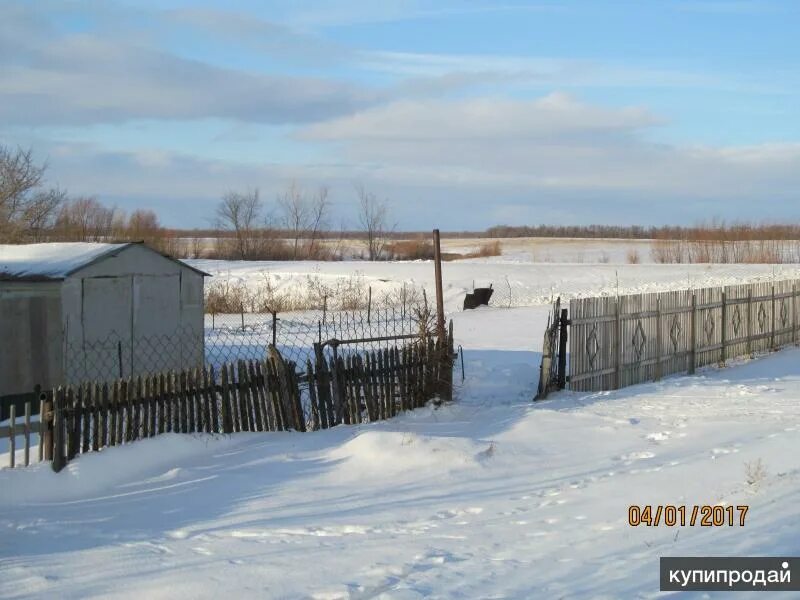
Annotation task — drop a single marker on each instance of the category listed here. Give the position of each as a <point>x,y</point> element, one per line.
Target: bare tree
<point>241,214</point>
<point>304,218</point>
<point>40,213</point>
<point>26,210</point>
<point>196,247</point>
<point>294,214</point>
<point>372,219</point>
<point>143,225</point>
<point>318,220</point>
<point>84,219</point>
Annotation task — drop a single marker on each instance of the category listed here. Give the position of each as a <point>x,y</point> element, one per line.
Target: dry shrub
<point>725,251</point>
<point>720,243</point>
<point>666,252</point>
<point>633,256</point>
<point>403,297</point>
<point>226,296</point>
<point>418,249</point>
<point>343,293</point>
<point>262,246</point>
<point>229,296</point>
<point>492,248</point>
<point>755,472</point>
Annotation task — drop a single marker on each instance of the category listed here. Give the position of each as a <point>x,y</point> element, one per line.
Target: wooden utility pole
<point>437,259</point>
<point>444,342</point>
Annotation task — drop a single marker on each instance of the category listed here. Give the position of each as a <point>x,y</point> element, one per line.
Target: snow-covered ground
<point>492,496</point>
<point>517,282</point>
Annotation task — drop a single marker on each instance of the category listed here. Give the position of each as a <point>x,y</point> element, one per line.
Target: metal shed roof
<point>57,260</point>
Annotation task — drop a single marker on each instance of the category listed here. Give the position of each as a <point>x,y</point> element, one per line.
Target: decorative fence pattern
<point>616,342</point>
<point>250,395</point>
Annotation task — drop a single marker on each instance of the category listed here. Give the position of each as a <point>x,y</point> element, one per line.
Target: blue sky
<point>461,114</point>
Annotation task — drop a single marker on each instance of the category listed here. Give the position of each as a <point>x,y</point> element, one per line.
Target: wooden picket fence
<point>23,429</point>
<point>265,395</point>
<point>617,342</point>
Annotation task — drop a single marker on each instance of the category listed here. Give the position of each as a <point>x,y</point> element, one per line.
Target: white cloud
<point>51,77</point>
<point>480,119</point>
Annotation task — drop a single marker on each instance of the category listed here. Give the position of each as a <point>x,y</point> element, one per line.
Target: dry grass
<point>225,296</point>
<point>422,249</point>
<point>418,249</point>
<point>740,243</point>
<point>493,248</point>
<point>726,252</point>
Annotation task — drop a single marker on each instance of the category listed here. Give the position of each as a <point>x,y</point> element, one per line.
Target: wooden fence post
<point>437,259</point>
<point>562,349</point>
<point>693,363</point>
<point>794,313</point>
<point>772,320</point>
<point>446,364</point>
<point>42,429</point>
<point>69,420</point>
<point>46,416</point>
<point>12,440</point>
<point>227,424</point>
<point>659,341</point>
<point>724,329</point>
<point>27,433</point>
<point>58,431</point>
<point>323,388</point>
<point>617,346</point>
<point>750,321</point>
<point>336,377</point>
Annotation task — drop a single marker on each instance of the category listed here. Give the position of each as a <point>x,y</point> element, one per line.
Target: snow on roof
<point>50,261</point>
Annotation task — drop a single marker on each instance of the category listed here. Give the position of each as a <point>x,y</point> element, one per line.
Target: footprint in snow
<point>637,456</point>
<point>715,452</point>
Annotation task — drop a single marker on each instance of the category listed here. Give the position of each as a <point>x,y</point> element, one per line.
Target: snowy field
<point>516,281</point>
<point>490,497</point>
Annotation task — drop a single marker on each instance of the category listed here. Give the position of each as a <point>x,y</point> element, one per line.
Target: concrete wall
<point>30,336</point>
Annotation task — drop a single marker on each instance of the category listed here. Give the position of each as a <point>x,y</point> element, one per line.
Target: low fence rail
<point>621,341</point>
<point>273,394</point>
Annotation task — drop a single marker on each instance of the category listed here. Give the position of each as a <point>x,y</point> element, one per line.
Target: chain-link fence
<point>228,338</point>
<point>248,335</point>
<point>120,354</point>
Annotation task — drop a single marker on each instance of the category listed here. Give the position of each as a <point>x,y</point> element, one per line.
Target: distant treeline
<point>716,231</point>
<point>712,232</point>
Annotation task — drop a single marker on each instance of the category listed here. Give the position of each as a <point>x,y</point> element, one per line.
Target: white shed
<point>73,312</point>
